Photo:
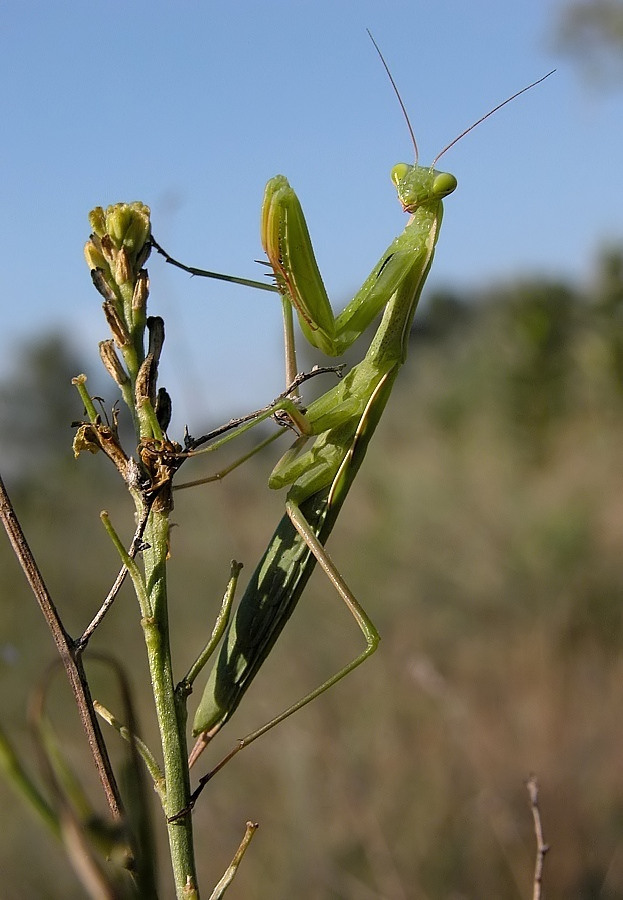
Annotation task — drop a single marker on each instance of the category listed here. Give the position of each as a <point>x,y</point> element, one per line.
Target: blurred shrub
<point>484,538</point>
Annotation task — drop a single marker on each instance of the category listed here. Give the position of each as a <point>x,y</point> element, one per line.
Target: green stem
<point>217,632</point>
<point>134,572</point>
<point>171,712</point>
<point>143,750</point>
<point>80,384</point>
<point>150,427</point>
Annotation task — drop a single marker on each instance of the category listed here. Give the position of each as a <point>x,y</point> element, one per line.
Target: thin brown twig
<point>135,546</point>
<point>73,832</point>
<point>191,444</point>
<point>68,652</point>
<point>541,847</point>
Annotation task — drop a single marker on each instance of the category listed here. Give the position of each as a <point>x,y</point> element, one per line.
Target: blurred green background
<point>484,538</point>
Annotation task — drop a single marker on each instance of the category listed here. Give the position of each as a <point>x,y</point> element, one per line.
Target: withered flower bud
<point>108,249</point>
<point>112,363</point>
<point>163,408</point>
<point>102,286</point>
<point>85,439</point>
<point>141,292</point>
<point>145,387</point>
<point>123,267</point>
<point>155,324</point>
<point>116,324</point>
<point>143,255</point>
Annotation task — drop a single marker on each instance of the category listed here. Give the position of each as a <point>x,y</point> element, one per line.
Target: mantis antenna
<point>397,92</point>
<point>467,130</point>
<point>490,113</point>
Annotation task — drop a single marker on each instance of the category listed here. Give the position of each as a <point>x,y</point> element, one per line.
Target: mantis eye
<point>444,184</point>
<point>399,172</point>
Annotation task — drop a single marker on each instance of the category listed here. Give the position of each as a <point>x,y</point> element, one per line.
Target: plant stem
<point>171,713</point>
<point>71,657</point>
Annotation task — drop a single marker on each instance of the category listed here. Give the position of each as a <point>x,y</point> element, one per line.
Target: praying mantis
<point>342,422</point>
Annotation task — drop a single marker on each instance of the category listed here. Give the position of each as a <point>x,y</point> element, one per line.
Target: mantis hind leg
<point>357,611</point>
<point>364,622</point>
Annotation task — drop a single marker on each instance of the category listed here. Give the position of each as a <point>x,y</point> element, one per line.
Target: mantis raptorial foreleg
<point>342,421</point>
<point>290,352</point>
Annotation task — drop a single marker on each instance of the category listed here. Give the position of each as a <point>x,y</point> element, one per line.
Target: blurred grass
<point>484,538</point>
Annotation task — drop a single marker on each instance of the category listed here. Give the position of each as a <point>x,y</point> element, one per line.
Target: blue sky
<point>192,106</point>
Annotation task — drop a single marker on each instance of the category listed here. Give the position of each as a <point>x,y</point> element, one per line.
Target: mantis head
<point>418,186</point>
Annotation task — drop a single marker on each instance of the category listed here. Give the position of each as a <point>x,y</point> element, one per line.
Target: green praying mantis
<point>342,422</point>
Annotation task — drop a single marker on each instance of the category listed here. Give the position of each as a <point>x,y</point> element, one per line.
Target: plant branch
<point>541,847</point>
<point>170,708</point>
<point>145,753</point>
<point>135,546</point>
<point>68,651</point>
<point>254,418</point>
<point>232,868</point>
